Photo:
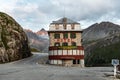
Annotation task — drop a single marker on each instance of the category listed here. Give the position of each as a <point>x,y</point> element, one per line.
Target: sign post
<point>115,70</point>
<point>115,62</point>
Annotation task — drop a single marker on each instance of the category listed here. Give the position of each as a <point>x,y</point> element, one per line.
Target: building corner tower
<point>65,43</point>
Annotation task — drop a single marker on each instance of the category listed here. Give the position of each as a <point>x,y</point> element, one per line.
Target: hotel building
<point>65,47</point>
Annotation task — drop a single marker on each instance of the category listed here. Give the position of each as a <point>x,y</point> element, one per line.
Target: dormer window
<point>56,26</point>
<point>65,23</point>
<point>64,26</point>
<point>72,26</point>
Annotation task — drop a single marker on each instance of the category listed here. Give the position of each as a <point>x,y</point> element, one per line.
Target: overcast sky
<point>37,14</point>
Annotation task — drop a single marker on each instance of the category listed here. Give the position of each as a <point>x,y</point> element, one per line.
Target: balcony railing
<point>66,47</point>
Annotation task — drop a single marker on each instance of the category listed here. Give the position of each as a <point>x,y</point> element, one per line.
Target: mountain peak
<point>42,29</point>
<point>100,30</point>
<point>42,32</point>
<point>107,24</point>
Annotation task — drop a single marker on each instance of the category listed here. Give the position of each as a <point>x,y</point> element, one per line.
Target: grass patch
<point>34,50</point>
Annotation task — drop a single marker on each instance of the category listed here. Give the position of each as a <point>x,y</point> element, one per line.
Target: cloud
<point>87,11</point>
<point>40,13</point>
<point>84,9</point>
<point>7,6</point>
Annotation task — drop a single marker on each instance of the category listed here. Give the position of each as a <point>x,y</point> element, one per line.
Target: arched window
<point>73,43</point>
<point>56,35</point>
<point>65,44</point>
<point>72,35</point>
<point>65,35</point>
<point>57,44</point>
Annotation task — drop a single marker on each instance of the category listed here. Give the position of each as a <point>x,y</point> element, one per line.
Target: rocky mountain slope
<point>100,30</point>
<point>13,40</point>
<point>101,43</point>
<point>38,40</point>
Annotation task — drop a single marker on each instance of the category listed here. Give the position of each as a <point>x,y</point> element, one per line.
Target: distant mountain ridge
<point>42,32</point>
<point>38,40</point>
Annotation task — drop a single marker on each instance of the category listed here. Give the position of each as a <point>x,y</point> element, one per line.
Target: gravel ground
<point>31,69</point>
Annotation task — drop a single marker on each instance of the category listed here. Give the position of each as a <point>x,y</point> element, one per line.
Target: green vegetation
<point>34,50</point>
<point>102,56</point>
<point>67,47</point>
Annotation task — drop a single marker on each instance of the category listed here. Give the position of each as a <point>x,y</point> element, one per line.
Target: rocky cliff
<point>13,40</point>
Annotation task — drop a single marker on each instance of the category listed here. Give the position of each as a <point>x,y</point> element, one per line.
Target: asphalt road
<point>29,69</point>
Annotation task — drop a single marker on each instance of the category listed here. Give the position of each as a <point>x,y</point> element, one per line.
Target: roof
<point>64,20</point>
<point>64,31</point>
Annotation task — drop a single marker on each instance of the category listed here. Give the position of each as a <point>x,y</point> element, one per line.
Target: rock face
<point>13,40</point>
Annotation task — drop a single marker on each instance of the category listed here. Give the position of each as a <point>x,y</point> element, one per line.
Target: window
<point>64,26</point>
<point>56,35</point>
<point>73,43</point>
<point>64,44</point>
<point>65,35</point>
<point>72,26</point>
<point>57,26</point>
<point>72,35</point>
<point>65,23</point>
<point>78,61</point>
<point>74,61</point>
<point>57,44</point>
